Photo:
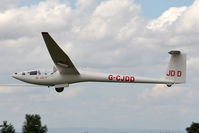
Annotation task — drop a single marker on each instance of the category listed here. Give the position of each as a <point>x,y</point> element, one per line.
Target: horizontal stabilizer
<point>174,52</point>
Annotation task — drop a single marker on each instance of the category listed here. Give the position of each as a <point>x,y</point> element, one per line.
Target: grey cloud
<point>8,4</point>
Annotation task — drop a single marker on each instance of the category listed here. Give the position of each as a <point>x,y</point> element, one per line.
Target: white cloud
<point>113,30</point>
<point>42,18</point>
<point>116,8</point>
<point>189,22</point>
<point>166,19</point>
<point>109,17</point>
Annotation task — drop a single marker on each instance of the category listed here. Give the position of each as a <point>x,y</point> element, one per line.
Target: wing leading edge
<point>59,57</point>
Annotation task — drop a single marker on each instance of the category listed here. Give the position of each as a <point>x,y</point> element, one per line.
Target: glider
<point>65,73</point>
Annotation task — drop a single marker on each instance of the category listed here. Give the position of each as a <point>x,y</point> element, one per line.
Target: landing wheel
<point>169,85</point>
<point>59,89</point>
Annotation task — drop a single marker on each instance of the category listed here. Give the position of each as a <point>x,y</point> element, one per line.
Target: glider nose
<point>14,75</point>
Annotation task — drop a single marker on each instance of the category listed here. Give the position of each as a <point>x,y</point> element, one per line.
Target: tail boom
<point>98,77</point>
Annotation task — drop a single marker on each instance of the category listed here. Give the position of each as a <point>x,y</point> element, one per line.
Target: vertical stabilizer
<point>176,70</point>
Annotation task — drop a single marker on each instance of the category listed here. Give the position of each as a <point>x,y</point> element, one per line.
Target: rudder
<point>176,71</point>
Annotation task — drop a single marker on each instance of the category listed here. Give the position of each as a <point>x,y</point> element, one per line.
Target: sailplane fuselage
<point>57,78</point>
<point>65,73</point>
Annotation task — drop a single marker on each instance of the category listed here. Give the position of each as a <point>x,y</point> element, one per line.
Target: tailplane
<point>176,71</point>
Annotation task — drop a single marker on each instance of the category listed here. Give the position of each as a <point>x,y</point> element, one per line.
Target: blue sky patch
<point>147,10</point>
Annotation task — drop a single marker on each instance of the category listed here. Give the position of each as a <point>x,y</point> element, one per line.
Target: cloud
<point>85,4</point>
<point>8,4</point>
<point>159,92</point>
<point>188,22</point>
<point>5,89</point>
<point>66,94</point>
<point>15,88</point>
<point>107,36</point>
<point>113,31</point>
<point>109,17</point>
<point>41,19</point>
<point>193,63</point>
<point>166,19</point>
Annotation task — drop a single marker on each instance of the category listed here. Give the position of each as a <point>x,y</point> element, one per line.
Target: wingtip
<point>44,32</point>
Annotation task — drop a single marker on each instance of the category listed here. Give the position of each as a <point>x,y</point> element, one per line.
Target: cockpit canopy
<point>38,72</point>
<point>34,73</point>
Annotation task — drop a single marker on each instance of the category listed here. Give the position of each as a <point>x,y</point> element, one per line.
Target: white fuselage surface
<point>57,78</point>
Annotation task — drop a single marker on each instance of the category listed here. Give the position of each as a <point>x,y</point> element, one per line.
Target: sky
<point>111,36</point>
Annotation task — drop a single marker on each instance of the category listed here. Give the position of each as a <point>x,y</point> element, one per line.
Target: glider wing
<point>59,57</point>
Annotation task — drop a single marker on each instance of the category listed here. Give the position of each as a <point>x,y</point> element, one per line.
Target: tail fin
<point>176,70</point>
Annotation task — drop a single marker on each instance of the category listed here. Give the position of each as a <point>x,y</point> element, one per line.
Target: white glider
<point>66,73</point>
